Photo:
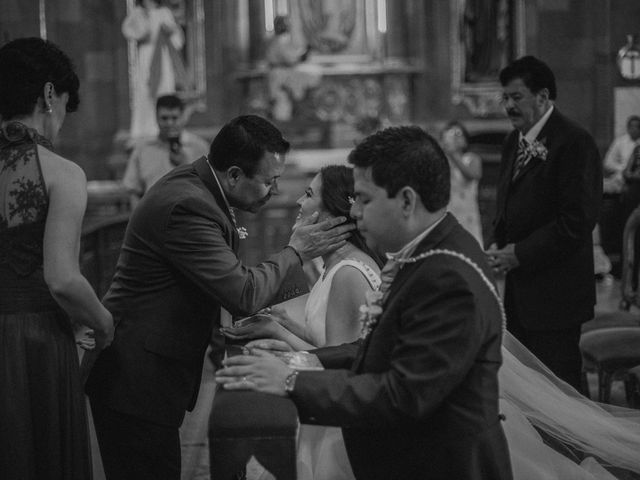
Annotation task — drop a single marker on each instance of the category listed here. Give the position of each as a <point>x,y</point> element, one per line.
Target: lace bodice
<point>315,312</point>
<point>23,198</point>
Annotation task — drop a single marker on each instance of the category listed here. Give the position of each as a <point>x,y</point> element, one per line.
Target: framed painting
<point>485,36</point>
<point>190,77</point>
<point>339,31</point>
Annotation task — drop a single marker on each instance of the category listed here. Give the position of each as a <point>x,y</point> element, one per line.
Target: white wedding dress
<point>530,395</point>
<point>321,451</point>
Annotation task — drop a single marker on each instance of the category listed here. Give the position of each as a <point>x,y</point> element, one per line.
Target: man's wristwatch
<point>290,381</point>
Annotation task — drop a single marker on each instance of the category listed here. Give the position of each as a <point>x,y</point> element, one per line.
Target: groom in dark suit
<point>417,396</point>
<point>548,201</point>
<point>177,268</point>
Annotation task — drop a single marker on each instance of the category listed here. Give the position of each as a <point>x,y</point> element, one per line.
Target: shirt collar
<point>533,132</point>
<point>410,247</point>
<point>224,196</point>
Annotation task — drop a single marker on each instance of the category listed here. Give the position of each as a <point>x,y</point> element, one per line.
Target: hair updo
<point>26,65</point>
<point>337,194</point>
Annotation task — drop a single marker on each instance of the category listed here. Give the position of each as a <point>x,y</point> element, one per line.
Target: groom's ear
<point>407,197</point>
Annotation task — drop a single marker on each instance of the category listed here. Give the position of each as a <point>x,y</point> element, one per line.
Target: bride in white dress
<point>531,396</point>
<point>330,314</point>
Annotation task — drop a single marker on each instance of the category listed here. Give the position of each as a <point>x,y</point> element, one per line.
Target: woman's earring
<point>48,109</point>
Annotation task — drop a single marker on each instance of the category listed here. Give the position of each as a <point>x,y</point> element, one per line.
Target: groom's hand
<point>260,372</point>
<point>311,239</point>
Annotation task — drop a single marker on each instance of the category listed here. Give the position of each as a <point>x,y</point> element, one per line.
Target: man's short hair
<point>632,118</point>
<point>406,156</point>
<point>169,102</point>
<point>243,142</point>
<point>535,74</point>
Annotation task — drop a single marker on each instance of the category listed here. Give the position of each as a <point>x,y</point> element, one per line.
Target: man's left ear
<point>543,95</point>
<point>234,174</point>
<point>408,198</point>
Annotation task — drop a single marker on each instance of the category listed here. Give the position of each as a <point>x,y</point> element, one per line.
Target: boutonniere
<point>537,149</point>
<point>370,312</point>
<point>242,232</point>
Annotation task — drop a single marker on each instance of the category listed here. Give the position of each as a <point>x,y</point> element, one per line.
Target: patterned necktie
<point>232,214</point>
<point>521,158</point>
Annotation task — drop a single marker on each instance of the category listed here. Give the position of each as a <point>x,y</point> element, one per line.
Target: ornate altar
<point>361,85</point>
<point>356,98</point>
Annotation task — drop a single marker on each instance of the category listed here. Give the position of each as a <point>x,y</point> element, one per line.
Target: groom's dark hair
<point>406,156</point>
<point>243,142</point>
<point>337,195</point>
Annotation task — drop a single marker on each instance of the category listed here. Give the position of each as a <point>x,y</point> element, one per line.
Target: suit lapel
<point>553,123</point>
<point>203,171</point>
<point>431,241</point>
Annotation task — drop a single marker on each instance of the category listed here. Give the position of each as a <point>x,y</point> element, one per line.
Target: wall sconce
<point>629,59</point>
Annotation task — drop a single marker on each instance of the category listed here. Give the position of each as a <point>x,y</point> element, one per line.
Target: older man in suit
<point>417,397</point>
<point>548,201</point>
<point>177,268</point>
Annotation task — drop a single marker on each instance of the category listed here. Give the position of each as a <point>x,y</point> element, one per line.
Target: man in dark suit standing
<point>177,268</point>
<point>417,396</point>
<point>548,200</point>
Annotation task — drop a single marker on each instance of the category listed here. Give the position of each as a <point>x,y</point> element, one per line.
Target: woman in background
<point>43,424</point>
<point>466,171</point>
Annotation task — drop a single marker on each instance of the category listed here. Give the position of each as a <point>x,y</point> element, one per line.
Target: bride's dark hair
<point>336,195</point>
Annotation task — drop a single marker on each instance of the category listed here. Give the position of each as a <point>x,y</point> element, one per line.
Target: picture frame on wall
<point>485,35</point>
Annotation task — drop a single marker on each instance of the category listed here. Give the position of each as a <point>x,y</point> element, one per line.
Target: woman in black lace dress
<point>43,426</point>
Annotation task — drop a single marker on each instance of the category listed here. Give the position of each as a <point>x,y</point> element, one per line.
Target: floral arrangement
<point>537,149</point>
<point>370,312</point>
<point>242,232</point>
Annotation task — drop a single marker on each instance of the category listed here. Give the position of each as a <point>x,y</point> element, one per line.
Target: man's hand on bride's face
<point>264,326</point>
<point>313,239</point>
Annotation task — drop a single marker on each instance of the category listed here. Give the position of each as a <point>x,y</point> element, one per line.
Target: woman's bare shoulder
<point>58,170</point>
<point>362,269</point>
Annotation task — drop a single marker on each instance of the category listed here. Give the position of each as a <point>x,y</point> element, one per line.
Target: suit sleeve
<point>579,198</point>
<point>439,336</point>
<point>339,356</point>
<point>195,246</point>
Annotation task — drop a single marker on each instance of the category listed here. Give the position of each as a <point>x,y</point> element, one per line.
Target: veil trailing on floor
<point>609,434</point>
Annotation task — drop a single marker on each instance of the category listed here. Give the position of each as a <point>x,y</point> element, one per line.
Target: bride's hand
<point>280,315</point>
<point>86,341</point>
<point>268,345</point>
<point>264,326</point>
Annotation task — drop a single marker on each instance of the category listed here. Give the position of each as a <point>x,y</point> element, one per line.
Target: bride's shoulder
<point>355,270</point>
